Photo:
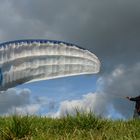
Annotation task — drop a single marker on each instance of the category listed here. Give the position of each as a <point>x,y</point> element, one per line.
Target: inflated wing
<point>32,60</point>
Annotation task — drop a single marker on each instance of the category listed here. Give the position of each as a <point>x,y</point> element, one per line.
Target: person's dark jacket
<point>137,106</point>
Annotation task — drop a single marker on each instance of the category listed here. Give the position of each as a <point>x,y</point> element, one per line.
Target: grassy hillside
<point>79,127</point>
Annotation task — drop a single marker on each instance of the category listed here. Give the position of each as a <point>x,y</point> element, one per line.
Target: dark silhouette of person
<point>137,106</point>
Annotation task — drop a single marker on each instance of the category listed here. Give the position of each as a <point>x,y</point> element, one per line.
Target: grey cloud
<point>13,98</point>
<point>110,29</point>
<point>19,101</point>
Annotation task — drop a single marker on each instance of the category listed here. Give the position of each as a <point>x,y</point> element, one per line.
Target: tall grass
<point>16,127</point>
<point>82,126</point>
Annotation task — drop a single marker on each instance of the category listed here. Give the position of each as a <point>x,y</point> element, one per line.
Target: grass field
<point>79,127</point>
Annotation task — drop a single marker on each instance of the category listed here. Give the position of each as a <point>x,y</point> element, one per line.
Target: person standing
<point>137,106</point>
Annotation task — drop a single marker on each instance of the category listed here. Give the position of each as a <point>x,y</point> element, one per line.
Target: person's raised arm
<point>133,98</point>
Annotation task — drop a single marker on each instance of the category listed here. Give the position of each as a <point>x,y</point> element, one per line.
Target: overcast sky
<point>108,28</point>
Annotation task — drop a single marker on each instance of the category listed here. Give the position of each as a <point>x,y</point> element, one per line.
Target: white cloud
<point>109,100</point>
<point>30,109</point>
<point>90,102</point>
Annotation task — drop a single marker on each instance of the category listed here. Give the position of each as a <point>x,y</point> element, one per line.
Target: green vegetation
<point>80,127</point>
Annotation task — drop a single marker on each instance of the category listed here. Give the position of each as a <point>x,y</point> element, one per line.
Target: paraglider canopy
<point>24,61</point>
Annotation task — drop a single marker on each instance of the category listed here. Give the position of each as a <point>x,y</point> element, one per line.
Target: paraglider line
<point>1,77</point>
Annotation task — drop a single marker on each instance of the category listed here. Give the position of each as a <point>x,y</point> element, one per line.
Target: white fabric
<point>27,62</point>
